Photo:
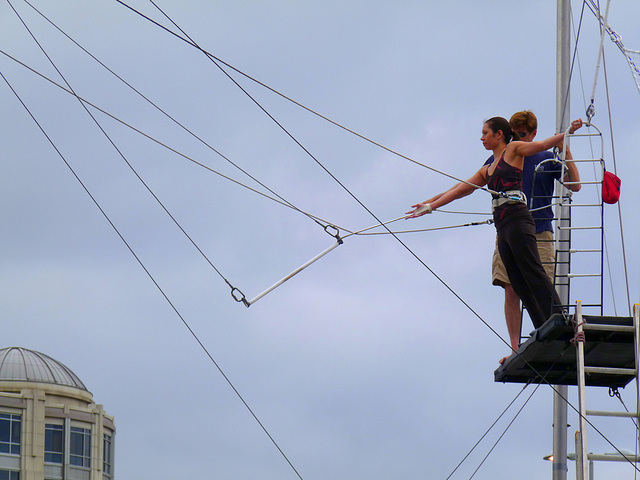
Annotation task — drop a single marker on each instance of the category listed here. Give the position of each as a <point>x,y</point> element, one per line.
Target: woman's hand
<point>575,125</point>
<point>419,209</point>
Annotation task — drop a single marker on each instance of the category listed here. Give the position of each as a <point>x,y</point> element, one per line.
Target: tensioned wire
<point>606,79</point>
<point>218,62</point>
<point>174,308</point>
<point>472,310</point>
<point>494,332</point>
<point>243,185</point>
<point>195,45</point>
<point>617,39</point>
<point>358,201</point>
<point>215,60</point>
<point>598,193</point>
<point>195,336</point>
<point>118,150</point>
<point>436,276</point>
<point>128,246</point>
<point>284,201</point>
<point>162,292</point>
<point>281,200</point>
<point>624,254</point>
<point>495,422</point>
<point>605,242</point>
<point>595,9</point>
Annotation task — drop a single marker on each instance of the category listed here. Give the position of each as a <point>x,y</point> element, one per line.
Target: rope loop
<point>238,296</point>
<point>579,337</point>
<point>335,235</point>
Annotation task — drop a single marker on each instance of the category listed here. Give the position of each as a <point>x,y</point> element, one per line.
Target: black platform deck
<point>549,357</point>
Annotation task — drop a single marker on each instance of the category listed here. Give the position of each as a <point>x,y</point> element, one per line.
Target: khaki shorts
<point>546,249</point>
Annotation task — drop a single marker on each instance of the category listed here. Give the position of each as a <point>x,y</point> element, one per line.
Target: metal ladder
<point>579,258</point>
<point>584,460</point>
<point>579,240</point>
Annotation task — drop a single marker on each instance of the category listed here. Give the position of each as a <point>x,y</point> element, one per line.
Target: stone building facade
<point>50,427</point>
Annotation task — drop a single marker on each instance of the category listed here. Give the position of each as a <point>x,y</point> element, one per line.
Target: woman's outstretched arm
<point>460,190</point>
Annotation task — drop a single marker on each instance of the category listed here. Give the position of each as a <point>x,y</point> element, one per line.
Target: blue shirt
<point>543,181</point>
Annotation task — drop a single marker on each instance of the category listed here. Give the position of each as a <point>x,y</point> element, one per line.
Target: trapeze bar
<point>295,272</point>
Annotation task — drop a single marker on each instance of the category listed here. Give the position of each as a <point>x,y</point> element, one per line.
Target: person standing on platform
<point>514,224</point>
<point>539,174</point>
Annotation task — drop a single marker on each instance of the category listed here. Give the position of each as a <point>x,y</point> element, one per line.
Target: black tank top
<point>505,177</point>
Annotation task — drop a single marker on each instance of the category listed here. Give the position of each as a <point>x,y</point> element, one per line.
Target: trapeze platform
<point>549,356</point>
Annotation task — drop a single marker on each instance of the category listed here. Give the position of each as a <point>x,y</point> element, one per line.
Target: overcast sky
<point>363,366</point>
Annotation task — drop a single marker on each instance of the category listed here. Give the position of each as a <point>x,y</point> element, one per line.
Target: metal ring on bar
<point>334,235</point>
<point>240,298</point>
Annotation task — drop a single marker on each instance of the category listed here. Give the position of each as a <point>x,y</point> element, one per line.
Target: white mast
<point>563,62</point>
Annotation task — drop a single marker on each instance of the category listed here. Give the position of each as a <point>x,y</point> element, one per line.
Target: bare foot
<point>502,360</point>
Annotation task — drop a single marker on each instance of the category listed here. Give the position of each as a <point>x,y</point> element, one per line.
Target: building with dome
<point>50,427</point>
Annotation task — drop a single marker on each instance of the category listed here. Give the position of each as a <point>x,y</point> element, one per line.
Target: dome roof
<point>21,364</point>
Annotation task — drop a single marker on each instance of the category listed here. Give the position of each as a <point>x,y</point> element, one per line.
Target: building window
<point>9,475</point>
<point>53,443</point>
<point>9,435</point>
<point>107,466</point>
<point>80,447</point>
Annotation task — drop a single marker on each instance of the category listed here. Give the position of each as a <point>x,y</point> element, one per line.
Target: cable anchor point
<point>590,113</point>
<point>238,296</point>
<point>335,235</point>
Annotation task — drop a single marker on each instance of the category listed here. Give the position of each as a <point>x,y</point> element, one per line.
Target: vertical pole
<point>578,457</point>
<point>581,465</point>
<point>563,62</point>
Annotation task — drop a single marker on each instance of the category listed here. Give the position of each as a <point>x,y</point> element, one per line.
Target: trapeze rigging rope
<point>218,62</point>
<point>590,112</point>
<point>162,292</point>
<point>193,43</point>
<point>490,428</point>
<point>236,293</point>
<point>381,223</point>
<point>624,250</point>
<point>146,270</point>
<point>317,219</point>
<point>146,135</point>
<point>284,201</point>
<point>216,59</point>
<point>355,198</point>
<point>604,26</point>
<point>353,233</point>
<point>119,151</point>
<point>632,56</point>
